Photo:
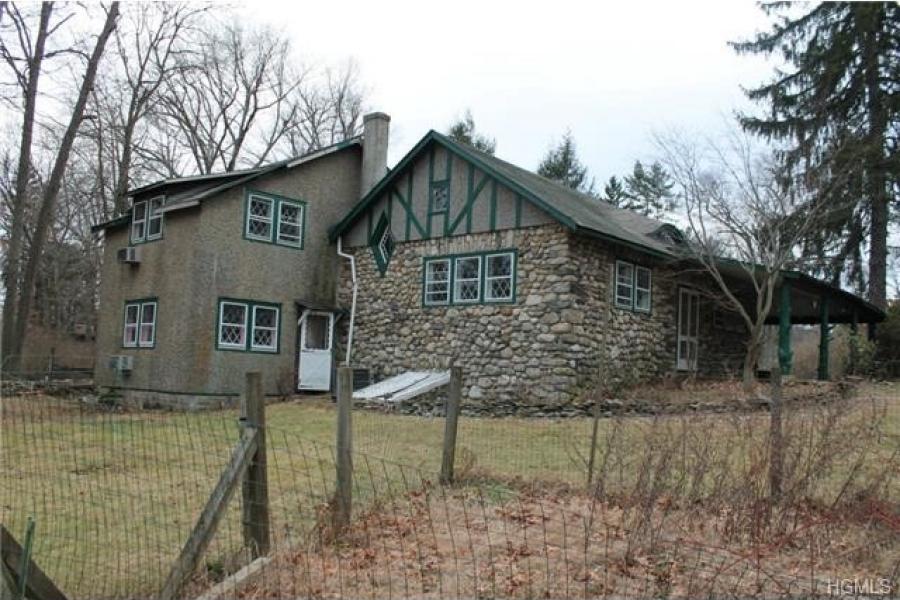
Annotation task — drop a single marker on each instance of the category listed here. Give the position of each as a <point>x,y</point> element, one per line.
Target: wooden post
<point>451,422</point>
<point>785,356</point>
<point>592,456</point>
<point>17,565</point>
<point>343,492</point>
<point>823,338</point>
<point>255,485</point>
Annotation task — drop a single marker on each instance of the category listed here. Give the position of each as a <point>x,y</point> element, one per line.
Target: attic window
<point>382,243</point>
<point>274,219</point>
<point>146,220</point>
<point>440,196</point>
<point>259,217</point>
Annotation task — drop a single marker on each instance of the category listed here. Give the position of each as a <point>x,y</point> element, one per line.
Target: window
<point>248,325</point>
<point>440,196</point>
<point>498,279</point>
<point>290,224</point>
<point>624,284</point>
<point>437,281</point>
<point>259,218</point>
<point>467,280</point>
<point>642,289</point>
<point>632,287</point>
<point>155,219</point>
<point>139,221</point>
<point>382,243</point>
<point>265,328</point>
<point>273,219</point>
<point>140,324</point>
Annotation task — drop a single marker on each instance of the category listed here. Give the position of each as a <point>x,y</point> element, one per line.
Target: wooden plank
<point>451,422</point>
<point>343,493</point>
<point>255,485</point>
<point>212,513</point>
<point>38,585</point>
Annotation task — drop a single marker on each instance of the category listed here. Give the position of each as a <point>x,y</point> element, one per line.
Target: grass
<point>115,495</point>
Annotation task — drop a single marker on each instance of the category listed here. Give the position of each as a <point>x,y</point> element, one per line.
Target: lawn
<point>114,495</point>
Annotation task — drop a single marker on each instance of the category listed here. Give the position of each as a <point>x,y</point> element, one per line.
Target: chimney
<point>375,147</point>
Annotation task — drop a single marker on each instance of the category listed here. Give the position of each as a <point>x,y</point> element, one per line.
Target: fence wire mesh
<point>678,507</point>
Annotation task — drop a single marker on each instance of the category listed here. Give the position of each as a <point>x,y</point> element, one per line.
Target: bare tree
<point>747,217</point>
<point>51,189</point>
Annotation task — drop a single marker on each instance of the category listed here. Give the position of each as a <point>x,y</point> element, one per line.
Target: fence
<point>118,497</point>
<point>49,366</point>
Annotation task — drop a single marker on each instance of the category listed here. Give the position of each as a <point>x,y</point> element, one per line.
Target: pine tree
<point>463,130</point>
<point>563,165</point>
<point>614,192</point>
<point>648,192</point>
<point>837,104</point>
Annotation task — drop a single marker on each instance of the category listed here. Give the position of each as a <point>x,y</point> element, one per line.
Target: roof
<point>581,213</point>
<point>577,211</point>
<point>193,190</point>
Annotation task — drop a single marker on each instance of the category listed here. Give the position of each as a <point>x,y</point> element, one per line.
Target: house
<point>211,276</point>
<point>539,292</point>
<point>453,256</point>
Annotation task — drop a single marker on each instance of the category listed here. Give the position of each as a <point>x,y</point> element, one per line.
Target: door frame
<point>680,363</point>
<point>301,342</point>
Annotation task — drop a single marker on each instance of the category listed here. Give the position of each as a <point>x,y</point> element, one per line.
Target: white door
<point>316,337</point>
<point>688,329</point>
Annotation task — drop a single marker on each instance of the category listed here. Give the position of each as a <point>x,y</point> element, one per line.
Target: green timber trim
<point>277,201</point>
<point>410,215</point>
<point>384,224</point>
<point>785,356</point>
<point>492,223</point>
<point>248,331</point>
<point>482,282</point>
<point>823,338</point>
<point>472,193</point>
<point>518,217</point>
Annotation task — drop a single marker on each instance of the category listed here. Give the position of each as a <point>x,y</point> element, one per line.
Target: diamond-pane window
<point>437,282</point>
<point>467,280</point>
<point>290,224</point>
<point>382,243</point>
<point>265,328</point>
<point>259,218</point>
<point>498,279</point>
<point>440,196</point>
<point>232,325</point>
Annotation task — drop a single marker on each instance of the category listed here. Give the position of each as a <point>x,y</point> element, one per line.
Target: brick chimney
<point>376,127</point>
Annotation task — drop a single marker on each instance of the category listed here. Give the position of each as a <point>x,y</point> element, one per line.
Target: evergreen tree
<point>648,192</point>
<point>563,165</point>
<point>838,106</point>
<point>614,192</point>
<point>463,130</point>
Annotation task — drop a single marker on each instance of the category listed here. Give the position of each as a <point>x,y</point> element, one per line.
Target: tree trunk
<point>751,358</point>
<point>11,313</point>
<point>51,191</point>
<point>877,192</point>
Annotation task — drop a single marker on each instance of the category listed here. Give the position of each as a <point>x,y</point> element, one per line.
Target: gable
<point>436,192</point>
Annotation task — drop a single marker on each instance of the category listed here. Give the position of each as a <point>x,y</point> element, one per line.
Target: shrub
<point>887,341</point>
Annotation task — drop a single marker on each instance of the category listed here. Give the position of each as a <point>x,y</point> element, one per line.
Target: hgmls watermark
<point>859,587</point>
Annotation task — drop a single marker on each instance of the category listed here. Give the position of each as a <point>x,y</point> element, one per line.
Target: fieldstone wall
<point>548,352</point>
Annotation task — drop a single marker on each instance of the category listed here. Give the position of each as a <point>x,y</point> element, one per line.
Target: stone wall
<point>562,338</point>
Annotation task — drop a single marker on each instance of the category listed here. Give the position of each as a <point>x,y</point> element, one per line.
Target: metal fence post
<point>343,493</point>
<point>451,422</point>
<point>255,485</point>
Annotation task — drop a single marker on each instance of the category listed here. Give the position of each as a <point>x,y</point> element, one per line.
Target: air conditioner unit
<point>121,362</point>
<point>130,255</point>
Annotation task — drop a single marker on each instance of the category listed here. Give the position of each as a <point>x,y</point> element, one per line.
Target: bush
<point>887,341</point>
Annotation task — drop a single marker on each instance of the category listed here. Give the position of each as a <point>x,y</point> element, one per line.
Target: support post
<point>255,484</point>
<point>343,492</point>
<point>823,338</point>
<point>451,422</point>
<point>785,356</point>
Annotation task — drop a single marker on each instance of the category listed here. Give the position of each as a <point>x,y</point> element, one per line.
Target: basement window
<point>139,330</point>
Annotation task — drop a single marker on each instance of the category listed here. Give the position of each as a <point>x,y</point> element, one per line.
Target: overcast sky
<point>611,72</point>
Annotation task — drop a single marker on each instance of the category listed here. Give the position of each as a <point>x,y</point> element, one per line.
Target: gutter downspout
<point>352,260</point>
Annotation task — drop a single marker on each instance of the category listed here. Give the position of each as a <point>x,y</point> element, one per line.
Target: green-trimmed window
<point>382,243</point>
<point>274,219</point>
<point>147,220</point>
<point>440,196</point>
<point>633,285</point>
<point>482,278</point>
<point>139,330</point>
<point>248,326</point>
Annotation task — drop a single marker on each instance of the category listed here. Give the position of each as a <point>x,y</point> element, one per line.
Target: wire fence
<point>677,507</point>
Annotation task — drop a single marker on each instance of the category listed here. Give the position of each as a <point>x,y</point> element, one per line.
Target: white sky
<point>613,72</point>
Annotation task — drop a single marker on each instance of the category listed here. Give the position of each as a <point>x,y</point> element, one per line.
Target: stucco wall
<point>203,257</point>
